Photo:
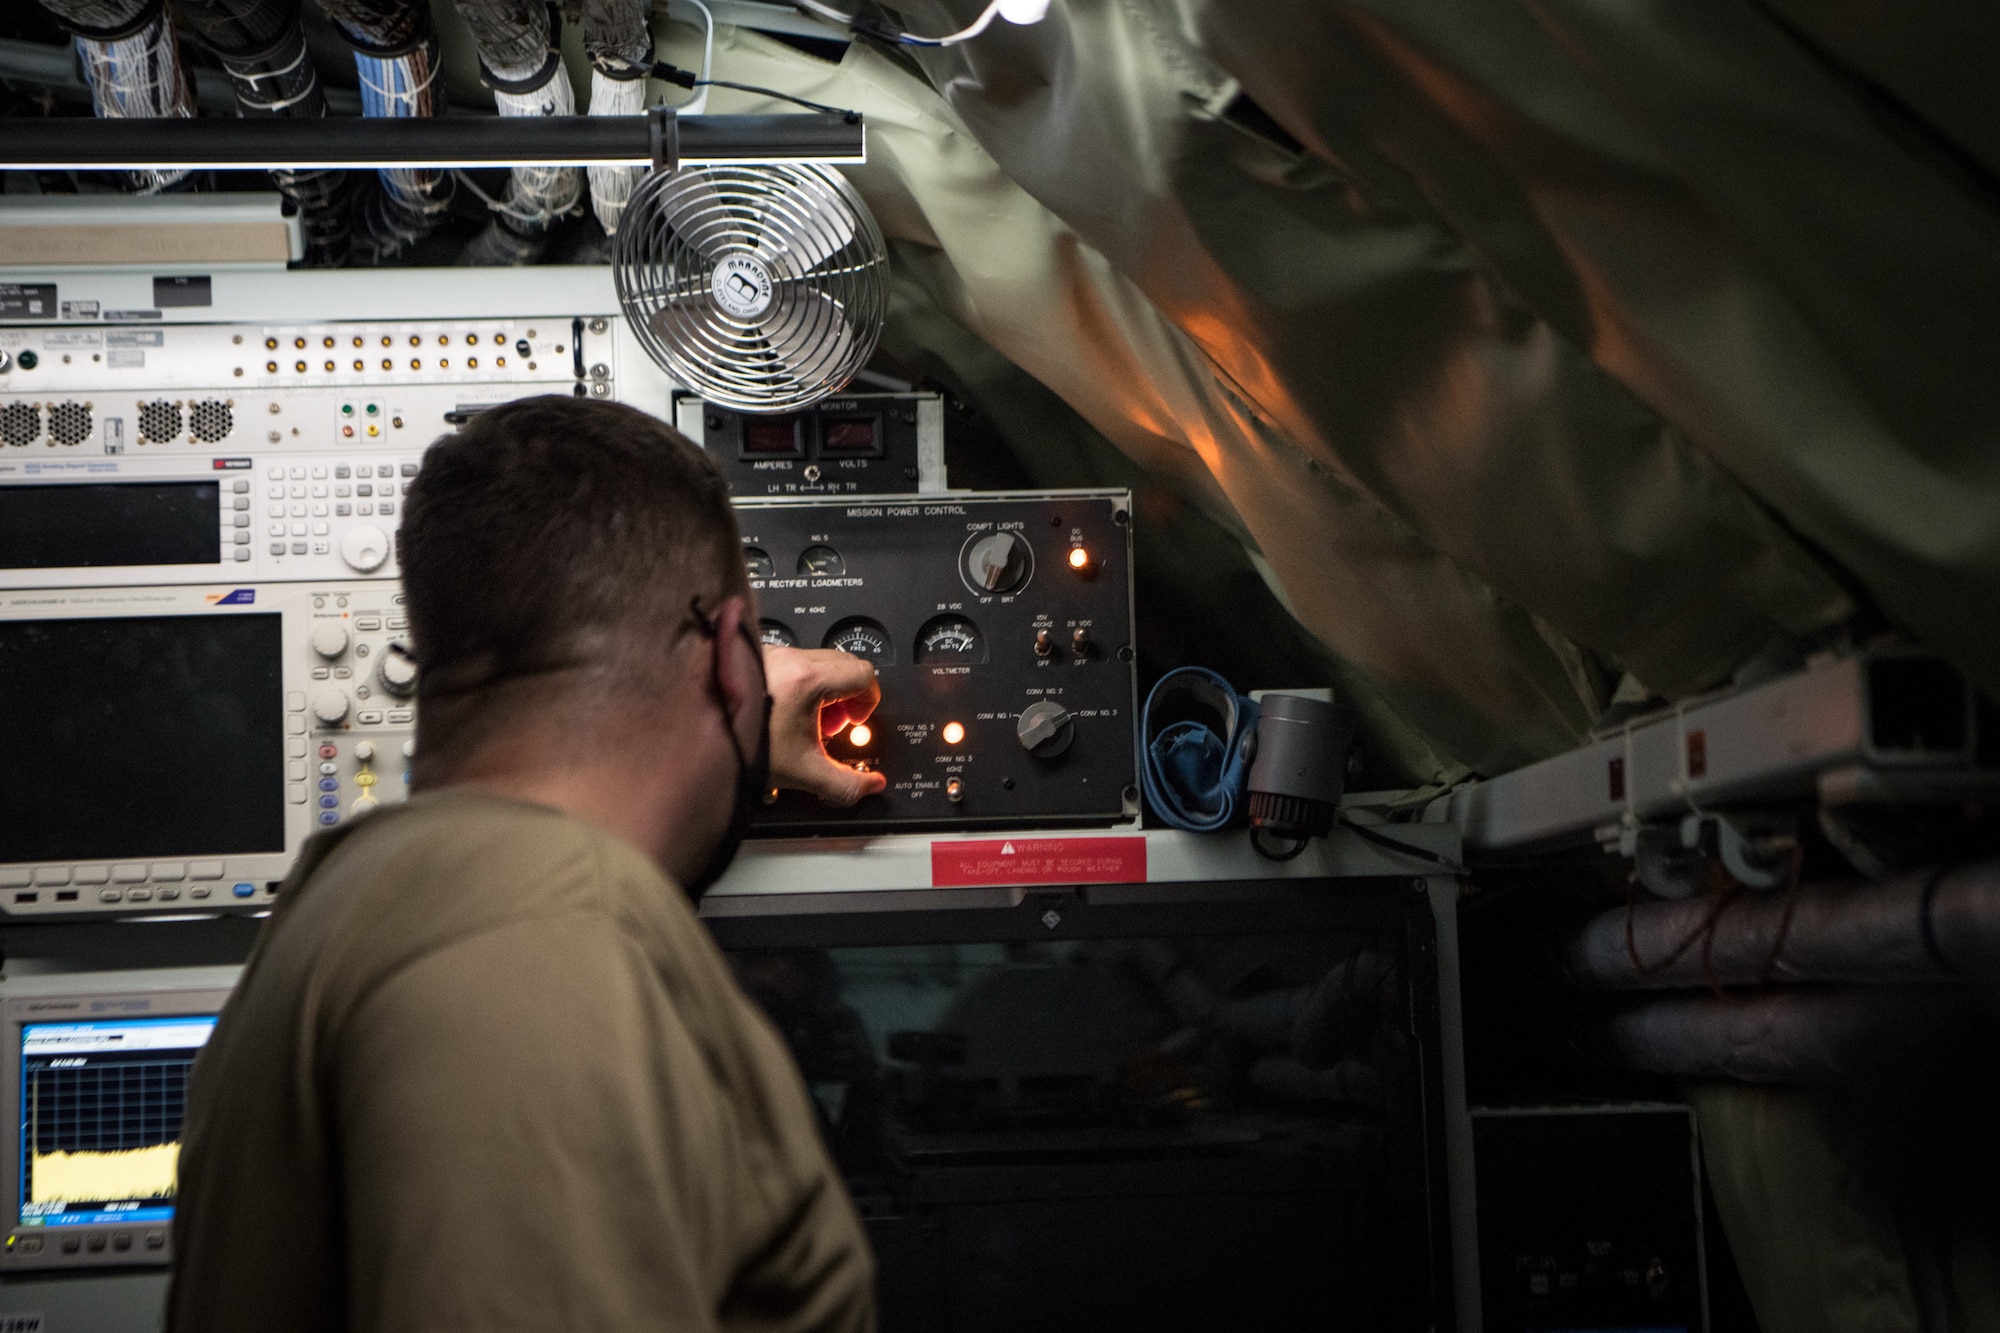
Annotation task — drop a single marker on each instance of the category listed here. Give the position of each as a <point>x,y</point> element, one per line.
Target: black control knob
<point>999,562</point>
<point>1045,729</point>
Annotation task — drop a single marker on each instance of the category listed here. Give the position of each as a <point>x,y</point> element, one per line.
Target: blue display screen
<point>101,1109</point>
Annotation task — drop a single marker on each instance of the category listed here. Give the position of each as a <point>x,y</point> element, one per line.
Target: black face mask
<point>753,780</point>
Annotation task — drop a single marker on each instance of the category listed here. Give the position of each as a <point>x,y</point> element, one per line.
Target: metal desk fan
<point>761,288</point>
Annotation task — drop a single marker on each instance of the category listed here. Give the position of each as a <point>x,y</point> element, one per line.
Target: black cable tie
<point>132,27</point>
<point>620,70</point>
<point>391,50</point>
<point>1927,927</point>
<point>286,37</point>
<point>521,87</point>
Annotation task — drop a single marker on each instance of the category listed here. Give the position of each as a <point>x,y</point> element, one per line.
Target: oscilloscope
<point>185,741</point>
<point>93,1074</point>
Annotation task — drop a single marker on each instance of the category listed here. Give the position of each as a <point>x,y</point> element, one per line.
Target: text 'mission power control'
<point>1001,629</point>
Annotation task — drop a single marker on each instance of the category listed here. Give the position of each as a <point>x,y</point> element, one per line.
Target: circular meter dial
<point>821,562</point>
<point>757,563</point>
<point>950,640</point>
<point>775,634</point>
<point>862,637</point>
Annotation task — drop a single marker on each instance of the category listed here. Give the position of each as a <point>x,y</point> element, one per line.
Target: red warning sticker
<point>1038,861</point>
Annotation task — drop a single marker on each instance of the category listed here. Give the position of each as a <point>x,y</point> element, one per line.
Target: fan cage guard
<point>159,421</point>
<point>21,423</point>
<point>69,423</point>
<point>807,227</point>
<point>211,420</point>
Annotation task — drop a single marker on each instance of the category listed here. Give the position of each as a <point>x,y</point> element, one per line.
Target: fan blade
<point>808,333</point>
<point>796,243</point>
<point>699,215</point>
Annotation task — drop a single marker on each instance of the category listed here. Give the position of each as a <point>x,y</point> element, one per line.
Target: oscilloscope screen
<point>101,1110</point>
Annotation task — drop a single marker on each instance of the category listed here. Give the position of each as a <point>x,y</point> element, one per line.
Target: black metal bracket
<point>664,124</point>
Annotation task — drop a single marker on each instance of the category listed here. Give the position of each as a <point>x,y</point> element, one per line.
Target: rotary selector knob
<point>364,547</point>
<point>999,562</point>
<point>329,639</point>
<point>329,704</point>
<point>1045,729</point>
<point>397,671</point>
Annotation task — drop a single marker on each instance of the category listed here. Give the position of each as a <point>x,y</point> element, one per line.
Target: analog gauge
<point>862,637</point>
<point>775,634</point>
<point>948,640</point>
<point>821,562</point>
<point>757,562</point>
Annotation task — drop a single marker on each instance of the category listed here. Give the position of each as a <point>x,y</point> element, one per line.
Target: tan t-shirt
<point>486,1071</point>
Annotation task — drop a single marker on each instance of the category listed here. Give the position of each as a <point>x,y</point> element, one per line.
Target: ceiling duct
<point>128,54</point>
<point>396,59</point>
<point>263,46</point>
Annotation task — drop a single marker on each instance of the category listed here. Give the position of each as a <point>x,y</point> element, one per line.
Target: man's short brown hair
<point>551,547</point>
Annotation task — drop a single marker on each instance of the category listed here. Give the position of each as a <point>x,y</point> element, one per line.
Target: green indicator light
<point>347,409</point>
<point>373,409</point>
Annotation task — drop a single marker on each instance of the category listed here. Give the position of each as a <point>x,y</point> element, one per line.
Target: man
<point>486,1070</point>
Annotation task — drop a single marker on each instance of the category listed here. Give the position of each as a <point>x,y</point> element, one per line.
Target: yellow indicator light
<point>298,342</point>
<point>860,734</point>
<point>500,361</point>
<point>357,342</point>
<point>1079,558</point>
<point>385,340</point>
<point>953,733</point>
<point>415,341</point>
<point>444,363</point>
<point>329,367</point>
<point>387,364</point>
<point>357,363</point>
<point>373,430</point>
<point>472,363</point>
<point>271,343</point>
<point>364,779</point>
<point>270,367</point>
<point>326,342</point>
<point>416,363</point>
<point>299,366</point>
<point>472,339</point>
<point>444,340</point>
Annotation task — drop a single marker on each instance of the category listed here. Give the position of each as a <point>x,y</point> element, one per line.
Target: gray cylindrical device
<point>1297,777</point>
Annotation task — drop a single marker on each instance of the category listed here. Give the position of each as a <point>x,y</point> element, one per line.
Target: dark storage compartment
<point>1179,1106</point>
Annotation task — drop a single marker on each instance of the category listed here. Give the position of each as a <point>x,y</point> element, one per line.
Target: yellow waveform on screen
<point>99,1177</point>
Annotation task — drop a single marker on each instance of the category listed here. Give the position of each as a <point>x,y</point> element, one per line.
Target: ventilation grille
<point>20,423</point>
<point>211,420</point>
<point>159,420</point>
<point>69,423</point>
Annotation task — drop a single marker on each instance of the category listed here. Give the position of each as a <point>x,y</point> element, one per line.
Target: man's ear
<point>736,664</point>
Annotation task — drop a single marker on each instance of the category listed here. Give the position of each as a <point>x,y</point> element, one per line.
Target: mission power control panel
<point>1000,626</point>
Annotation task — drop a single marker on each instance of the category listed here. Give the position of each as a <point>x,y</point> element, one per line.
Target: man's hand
<point>816,693</point>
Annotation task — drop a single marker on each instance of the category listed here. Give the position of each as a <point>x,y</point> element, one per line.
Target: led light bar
<point>233,144</point>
